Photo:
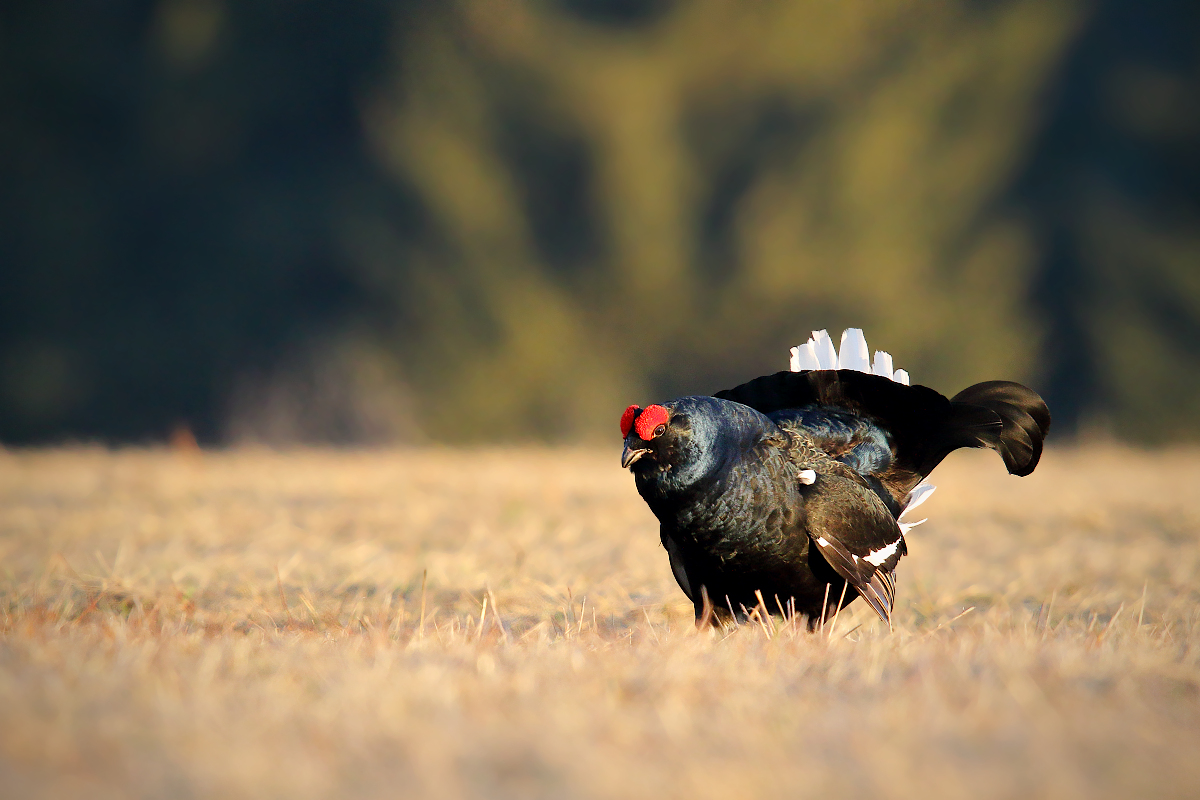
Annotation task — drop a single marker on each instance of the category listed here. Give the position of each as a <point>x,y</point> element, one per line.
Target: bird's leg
<point>704,611</point>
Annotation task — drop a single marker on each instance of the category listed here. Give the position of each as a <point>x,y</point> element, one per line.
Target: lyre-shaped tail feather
<point>1024,418</point>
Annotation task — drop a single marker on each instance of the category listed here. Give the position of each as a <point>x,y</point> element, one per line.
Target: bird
<point>794,492</point>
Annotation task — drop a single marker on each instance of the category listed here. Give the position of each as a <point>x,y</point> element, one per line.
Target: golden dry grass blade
<point>174,671</point>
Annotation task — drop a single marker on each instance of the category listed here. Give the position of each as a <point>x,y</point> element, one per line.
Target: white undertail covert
<point>818,353</point>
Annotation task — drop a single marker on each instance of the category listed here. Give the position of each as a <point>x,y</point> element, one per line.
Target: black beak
<point>630,455</point>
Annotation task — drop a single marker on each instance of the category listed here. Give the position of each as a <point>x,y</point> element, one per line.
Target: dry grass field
<point>252,624</point>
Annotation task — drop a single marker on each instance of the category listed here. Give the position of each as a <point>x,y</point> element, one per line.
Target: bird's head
<point>652,436</point>
<point>681,440</point>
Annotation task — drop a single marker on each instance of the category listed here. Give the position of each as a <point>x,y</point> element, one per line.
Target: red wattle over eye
<point>627,419</point>
<point>650,419</point>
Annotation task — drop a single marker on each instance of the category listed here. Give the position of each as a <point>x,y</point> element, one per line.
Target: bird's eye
<point>660,430</point>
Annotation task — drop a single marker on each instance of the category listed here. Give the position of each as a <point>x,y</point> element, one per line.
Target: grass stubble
<point>503,623</point>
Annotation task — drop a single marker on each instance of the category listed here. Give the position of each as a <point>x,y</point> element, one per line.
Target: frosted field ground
<point>248,624</point>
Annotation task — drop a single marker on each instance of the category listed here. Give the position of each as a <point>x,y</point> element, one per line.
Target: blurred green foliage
<point>476,220</point>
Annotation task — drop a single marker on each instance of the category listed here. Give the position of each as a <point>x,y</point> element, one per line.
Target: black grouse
<point>793,490</point>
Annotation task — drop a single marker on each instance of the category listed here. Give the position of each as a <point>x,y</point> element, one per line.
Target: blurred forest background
<point>460,221</point>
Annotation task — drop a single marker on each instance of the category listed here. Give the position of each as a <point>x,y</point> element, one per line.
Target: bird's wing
<point>849,438</point>
<point>858,536</point>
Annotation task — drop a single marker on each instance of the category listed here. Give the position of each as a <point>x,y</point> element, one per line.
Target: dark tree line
<point>380,220</point>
